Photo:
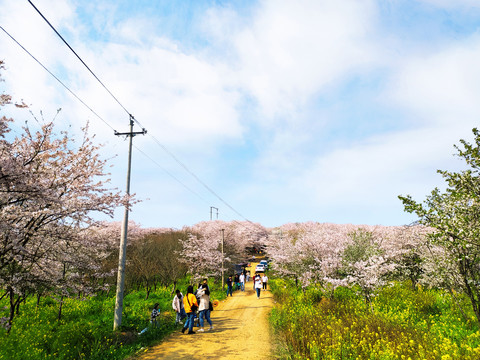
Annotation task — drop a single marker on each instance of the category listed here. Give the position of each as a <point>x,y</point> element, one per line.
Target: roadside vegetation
<point>400,323</point>
<point>85,329</point>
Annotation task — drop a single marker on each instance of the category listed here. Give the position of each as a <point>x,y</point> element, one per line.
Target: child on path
<point>155,313</point>
<point>153,317</point>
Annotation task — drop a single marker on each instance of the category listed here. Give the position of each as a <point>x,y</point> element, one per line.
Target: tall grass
<point>85,330</point>
<point>399,324</point>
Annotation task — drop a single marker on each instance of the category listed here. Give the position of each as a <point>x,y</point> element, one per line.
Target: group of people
<point>198,304</point>
<point>259,283</point>
<point>238,281</point>
<point>192,303</point>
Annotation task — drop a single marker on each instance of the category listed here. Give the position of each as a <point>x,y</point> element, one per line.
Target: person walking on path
<point>258,285</point>
<point>191,305</point>
<point>264,282</point>
<point>237,282</point>
<point>229,286</point>
<point>204,307</point>
<point>177,305</point>
<point>255,278</point>
<point>242,282</point>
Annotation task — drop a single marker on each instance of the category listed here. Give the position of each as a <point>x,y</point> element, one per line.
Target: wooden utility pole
<point>117,320</point>
<point>223,277</point>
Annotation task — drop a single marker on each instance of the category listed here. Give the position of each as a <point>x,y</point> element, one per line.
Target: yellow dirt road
<point>241,331</point>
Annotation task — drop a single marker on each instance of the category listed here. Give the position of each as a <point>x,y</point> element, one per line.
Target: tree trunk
<point>61,299</point>
<point>13,304</point>
<point>148,288</point>
<point>472,293</point>
<point>17,307</point>
<point>458,305</point>
<point>60,309</point>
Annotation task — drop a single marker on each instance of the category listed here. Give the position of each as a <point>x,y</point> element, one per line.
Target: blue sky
<point>289,111</point>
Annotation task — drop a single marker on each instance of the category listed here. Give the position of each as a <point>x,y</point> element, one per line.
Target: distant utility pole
<point>223,240</point>
<point>211,208</point>
<point>117,321</point>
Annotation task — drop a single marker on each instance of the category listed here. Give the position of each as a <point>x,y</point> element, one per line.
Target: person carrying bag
<point>191,305</point>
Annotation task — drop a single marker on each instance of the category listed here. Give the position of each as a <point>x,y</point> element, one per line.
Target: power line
<point>133,118</point>
<point>56,78</point>
<point>79,58</point>
<point>98,116</point>
<point>170,174</point>
<point>197,178</point>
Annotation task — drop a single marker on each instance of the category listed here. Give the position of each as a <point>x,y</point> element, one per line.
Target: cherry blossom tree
<point>455,216</point>
<point>50,188</point>
<point>309,252</point>
<point>202,250</point>
<point>333,255</point>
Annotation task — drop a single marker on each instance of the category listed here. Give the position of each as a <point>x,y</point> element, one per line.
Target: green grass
<point>400,324</point>
<point>85,330</point>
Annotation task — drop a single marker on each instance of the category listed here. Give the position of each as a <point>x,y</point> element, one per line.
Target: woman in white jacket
<point>177,305</point>
<point>203,294</point>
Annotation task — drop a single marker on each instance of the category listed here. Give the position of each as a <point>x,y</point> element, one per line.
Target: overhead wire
<point>197,178</point>
<point>169,173</point>
<point>96,114</point>
<point>79,58</point>
<point>56,78</point>
<point>175,158</point>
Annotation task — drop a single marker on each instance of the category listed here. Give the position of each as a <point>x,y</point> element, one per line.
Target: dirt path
<point>241,331</point>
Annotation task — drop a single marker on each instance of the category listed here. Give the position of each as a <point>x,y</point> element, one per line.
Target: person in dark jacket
<point>229,286</point>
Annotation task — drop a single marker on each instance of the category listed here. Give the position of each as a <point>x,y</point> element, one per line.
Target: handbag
<point>210,306</point>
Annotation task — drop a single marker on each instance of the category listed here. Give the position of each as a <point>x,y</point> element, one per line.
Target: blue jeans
<point>205,313</point>
<point>180,316</point>
<point>189,322</point>
<point>229,290</point>
<point>242,286</point>
<point>258,292</point>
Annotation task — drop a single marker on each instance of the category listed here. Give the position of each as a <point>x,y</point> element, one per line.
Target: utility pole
<point>223,240</point>
<point>211,208</point>
<point>117,321</point>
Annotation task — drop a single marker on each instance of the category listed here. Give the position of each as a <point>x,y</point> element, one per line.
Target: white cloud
<point>175,95</point>
<point>293,50</point>
<point>441,88</point>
